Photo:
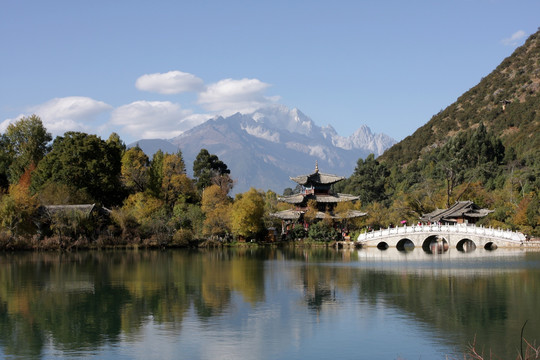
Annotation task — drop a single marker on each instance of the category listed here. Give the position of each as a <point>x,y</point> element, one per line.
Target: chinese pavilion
<point>316,186</point>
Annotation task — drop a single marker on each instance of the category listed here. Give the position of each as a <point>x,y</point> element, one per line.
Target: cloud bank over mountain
<point>153,118</point>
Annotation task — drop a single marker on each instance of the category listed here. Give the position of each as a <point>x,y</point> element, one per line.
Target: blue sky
<point>148,69</point>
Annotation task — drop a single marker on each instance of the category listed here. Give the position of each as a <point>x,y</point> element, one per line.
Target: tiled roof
<point>292,199</point>
<point>325,198</point>
<point>287,214</point>
<point>317,178</point>
<point>84,208</point>
<point>459,209</point>
<point>295,215</point>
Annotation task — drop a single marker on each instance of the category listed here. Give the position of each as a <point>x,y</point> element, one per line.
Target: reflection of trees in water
<point>318,286</point>
<point>88,299</point>
<point>491,309</point>
<point>85,300</point>
<point>18,337</point>
<point>461,304</point>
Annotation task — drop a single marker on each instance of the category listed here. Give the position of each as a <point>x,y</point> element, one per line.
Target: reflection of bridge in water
<point>452,262</point>
<point>440,238</point>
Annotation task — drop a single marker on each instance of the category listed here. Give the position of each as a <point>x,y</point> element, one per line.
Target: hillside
<point>485,147</point>
<point>507,102</point>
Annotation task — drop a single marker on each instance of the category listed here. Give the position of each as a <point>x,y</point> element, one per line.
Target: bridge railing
<point>436,228</point>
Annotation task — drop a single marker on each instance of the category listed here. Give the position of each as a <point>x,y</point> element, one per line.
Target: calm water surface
<point>267,304</point>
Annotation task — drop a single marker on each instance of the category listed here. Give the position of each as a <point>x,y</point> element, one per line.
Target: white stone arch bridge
<point>439,238</point>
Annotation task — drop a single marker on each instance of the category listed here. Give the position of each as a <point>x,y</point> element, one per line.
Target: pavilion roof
<point>459,209</point>
<point>295,215</point>
<point>288,214</point>
<point>320,198</point>
<point>317,178</point>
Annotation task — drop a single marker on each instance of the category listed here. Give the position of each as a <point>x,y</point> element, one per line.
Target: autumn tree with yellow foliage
<point>216,207</point>
<point>247,214</point>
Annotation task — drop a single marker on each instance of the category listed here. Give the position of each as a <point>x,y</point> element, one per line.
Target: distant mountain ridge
<point>264,148</point>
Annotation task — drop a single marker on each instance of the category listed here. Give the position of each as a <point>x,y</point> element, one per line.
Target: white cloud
<point>172,82</point>
<point>152,119</point>
<point>514,39</point>
<point>73,113</point>
<point>229,96</point>
<point>4,124</point>
<point>155,119</point>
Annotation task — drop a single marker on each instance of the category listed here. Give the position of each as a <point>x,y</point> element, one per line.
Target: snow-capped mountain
<point>279,117</point>
<point>263,149</point>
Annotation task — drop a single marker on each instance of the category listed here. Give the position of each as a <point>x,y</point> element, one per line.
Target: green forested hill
<point>484,147</point>
<point>507,102</point>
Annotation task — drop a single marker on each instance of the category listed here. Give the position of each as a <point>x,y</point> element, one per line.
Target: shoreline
<point>53,244</point>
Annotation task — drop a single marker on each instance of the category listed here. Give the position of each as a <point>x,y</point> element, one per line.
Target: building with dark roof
<point>462,212</point>
<point>316,186</point>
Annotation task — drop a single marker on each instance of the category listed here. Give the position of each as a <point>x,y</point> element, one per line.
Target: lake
<point>267,303</point>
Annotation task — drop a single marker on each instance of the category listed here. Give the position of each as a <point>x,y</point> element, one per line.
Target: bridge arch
<point>435,244</point>
<point>382,245</point>
<point>405,245</point>
<point>422,236</point>
<point>466,245</point>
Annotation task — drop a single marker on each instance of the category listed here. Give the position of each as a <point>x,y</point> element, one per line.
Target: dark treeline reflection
<point>88,299</point>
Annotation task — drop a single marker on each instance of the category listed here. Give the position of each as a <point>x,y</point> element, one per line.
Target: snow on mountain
<point>264,148</point>
<point>280,117</point>
<point>262,133</point>
<point>363,138</point>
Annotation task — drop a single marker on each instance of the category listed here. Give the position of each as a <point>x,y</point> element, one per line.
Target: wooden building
<point>316,186</point>
<point>462,212</point>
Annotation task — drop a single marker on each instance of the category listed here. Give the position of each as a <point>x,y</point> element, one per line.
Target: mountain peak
<point>264,148</point>
<point>281,117</point>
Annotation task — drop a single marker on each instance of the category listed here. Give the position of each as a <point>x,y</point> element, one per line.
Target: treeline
<point>473,165</point>
<point>152,202</point>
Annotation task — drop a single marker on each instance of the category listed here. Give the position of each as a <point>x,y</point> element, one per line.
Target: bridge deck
<point>455,231</point>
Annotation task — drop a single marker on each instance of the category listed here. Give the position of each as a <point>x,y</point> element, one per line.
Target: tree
<point>247,214</point>
<point>54,193</point>
<point>217,210</point>
<point>135,169</point>
<point>368,180</point>
<point>467,157</point>
<point>5,161</point>
<point>174,180</point>
<point>85,162</point>
<point>377,217</point>
<point>146,211</point>
<point>207,166</point>
<point>156,173</point>
<point>322,231</point>
<point>311,213</point>
<point>26,142</point>
<point>17,209</point>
